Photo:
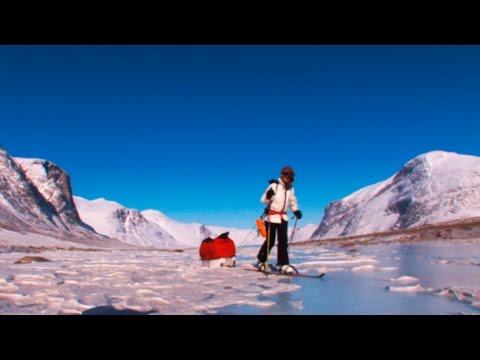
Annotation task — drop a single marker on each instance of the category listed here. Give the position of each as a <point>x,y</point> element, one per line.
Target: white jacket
<point>281,200</point>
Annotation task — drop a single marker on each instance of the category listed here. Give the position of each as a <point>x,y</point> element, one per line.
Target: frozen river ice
<point>423,278</point>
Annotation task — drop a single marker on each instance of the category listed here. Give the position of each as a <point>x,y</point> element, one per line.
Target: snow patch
<point>404,279</point>
<point>406,289</point>
<point>365,268</point>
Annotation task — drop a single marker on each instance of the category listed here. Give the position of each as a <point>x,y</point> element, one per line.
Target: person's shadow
<point>110,310</point>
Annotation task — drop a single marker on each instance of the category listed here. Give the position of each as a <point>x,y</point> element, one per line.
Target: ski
<point>319,276</point>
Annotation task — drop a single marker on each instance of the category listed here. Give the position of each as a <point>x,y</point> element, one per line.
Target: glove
<point>298,214</point>
<point>270,193</point>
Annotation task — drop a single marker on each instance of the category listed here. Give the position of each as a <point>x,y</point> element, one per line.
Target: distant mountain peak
<point>100,203</point>
<point>438,154</point>
<point>147,228</point>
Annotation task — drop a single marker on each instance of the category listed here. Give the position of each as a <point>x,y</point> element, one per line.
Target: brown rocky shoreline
<point>466,229</point>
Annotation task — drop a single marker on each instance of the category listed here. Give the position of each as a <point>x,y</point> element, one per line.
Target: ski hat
<point>287,169</point>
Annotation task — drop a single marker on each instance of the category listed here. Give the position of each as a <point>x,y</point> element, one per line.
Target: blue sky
<point>196,131</point>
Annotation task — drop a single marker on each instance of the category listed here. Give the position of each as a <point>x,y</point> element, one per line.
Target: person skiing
<point>278,197</point>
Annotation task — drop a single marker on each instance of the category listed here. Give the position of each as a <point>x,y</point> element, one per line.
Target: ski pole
<point>293,233</point>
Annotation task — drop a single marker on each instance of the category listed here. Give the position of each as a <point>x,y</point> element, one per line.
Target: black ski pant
<point>275,230</point>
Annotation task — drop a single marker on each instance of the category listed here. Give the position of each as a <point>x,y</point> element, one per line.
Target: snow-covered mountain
<point>22,207</point>
<point>434,187</point>
<point>151,228</point>
<point>187,234</point>
<point>240,236</point>
<point>128,225</point>
<point>38,199</point>
<point>302,233</point>
<point>55,186</point>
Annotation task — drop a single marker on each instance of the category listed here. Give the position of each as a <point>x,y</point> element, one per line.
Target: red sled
<point>218,248</point>
<point>218,252</point>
